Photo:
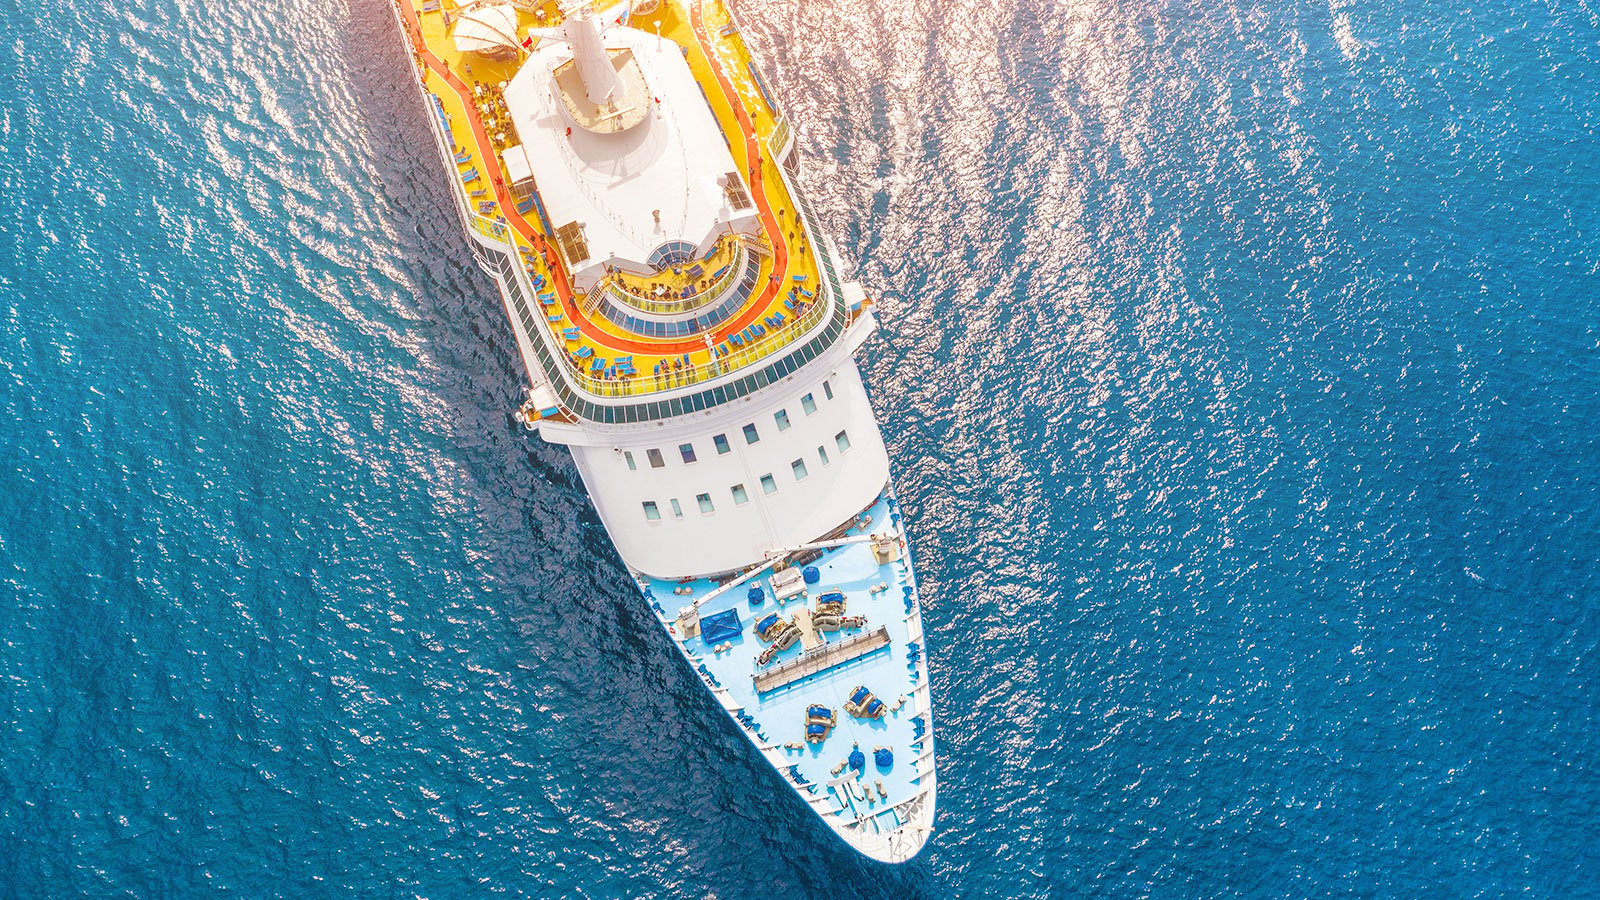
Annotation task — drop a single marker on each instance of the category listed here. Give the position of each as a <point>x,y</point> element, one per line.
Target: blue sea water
<point>1240,366</point>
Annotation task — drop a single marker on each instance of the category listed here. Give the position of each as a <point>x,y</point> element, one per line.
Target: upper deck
<point>696,314</point>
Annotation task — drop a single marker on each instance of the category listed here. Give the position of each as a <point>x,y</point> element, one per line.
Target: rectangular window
<point>740,498</point>
<point>799,467</point>
<point>827,390</point>
<point>823,452</point>
<point>782,418</point>
<point>768,486</point>
<point>705,503</point>
<point>688,453</point>
<point>677,511</point>
<point>628,455</point>
<point>750,436</point>
<point>651,510</point>
<point>721,443</point>
<point>809,404</point>
<point>656,461</point>
<point>843,440</point>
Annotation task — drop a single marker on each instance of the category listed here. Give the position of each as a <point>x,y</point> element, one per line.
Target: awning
<point>486,28</point>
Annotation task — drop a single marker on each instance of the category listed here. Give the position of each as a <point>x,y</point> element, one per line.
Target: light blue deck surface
<point>776,718</point>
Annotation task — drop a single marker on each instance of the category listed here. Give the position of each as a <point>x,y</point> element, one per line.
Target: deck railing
<point>676,305</point>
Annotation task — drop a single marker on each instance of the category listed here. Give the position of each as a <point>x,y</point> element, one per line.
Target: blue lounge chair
<point>463,158</point>
<point>585,352</point>
<point>525,205</point>
<point>570,334</point>
<point>469,175</point>
<point>554,317</point>
<point>597,364</point>
<point>799,278</point>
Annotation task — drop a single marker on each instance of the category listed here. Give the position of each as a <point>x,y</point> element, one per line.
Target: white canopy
<point>486,28</point>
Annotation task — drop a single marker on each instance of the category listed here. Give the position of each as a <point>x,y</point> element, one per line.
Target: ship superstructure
<point>627,179</point>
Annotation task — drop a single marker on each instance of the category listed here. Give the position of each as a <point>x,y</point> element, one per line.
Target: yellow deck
<point>724,53</point>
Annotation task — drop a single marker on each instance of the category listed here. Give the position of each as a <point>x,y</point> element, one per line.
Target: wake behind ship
<point>629,182</point>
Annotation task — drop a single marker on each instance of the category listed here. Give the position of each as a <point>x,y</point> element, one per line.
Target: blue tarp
<point>883,756</point>
<point>816,729</point>
<point>767,622</point>
<point>858,760</point>
<point>720,627</point>
<point>859,694</point>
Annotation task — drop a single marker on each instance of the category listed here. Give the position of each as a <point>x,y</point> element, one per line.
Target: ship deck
<point>631,363</point>
<point>884,654</point>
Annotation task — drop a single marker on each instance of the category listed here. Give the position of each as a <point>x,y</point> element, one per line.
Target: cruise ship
<point>627,178</point>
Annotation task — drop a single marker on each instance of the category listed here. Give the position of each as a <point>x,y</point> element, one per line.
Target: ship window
<point>750,435</point>
<point>782,418</point>
<point>843,440</point>
<point>677,511</point>
<point>721,443</point>
<point>656,461</point>
<point>823,452</point>
<point>570,239</point>
<point>740,498</point>
<point>768,485</point>
<point>799,467</point>
<point>809,404</point>
<point>688,453</point>
<point>705,503</point>
<point>827,390</point>
<point>733,189</point>
<point>628,455</point>
<point>671,254</point>
<point>651,510</point>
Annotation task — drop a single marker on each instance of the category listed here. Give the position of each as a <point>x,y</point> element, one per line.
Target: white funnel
<point>584,32</point>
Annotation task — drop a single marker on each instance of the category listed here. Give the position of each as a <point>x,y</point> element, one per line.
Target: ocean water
<point>1240,365</point>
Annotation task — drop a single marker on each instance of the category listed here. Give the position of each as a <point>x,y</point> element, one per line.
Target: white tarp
<point>486,28</point>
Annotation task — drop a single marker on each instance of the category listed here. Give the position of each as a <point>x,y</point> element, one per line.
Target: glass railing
<point>676,305</point>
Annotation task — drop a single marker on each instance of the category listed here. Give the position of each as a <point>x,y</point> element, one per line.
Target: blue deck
<point>776,720</point>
